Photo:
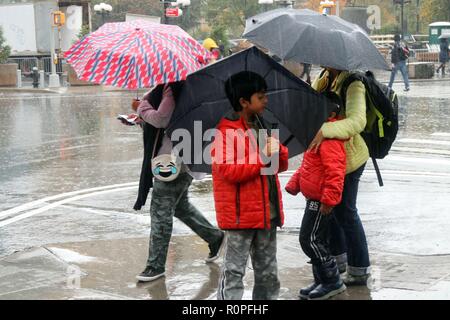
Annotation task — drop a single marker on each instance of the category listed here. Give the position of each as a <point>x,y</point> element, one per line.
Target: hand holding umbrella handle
<point>135,104</point>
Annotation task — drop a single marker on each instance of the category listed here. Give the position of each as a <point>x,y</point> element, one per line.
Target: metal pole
<point>42,79</point>
<point>54,78</point>
<point>402,28</point>
<point>19,78</point>
<point>418,17</point>
<point>165,19</point>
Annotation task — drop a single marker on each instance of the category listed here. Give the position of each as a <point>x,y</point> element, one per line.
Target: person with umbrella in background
<point>443,53</point>
<point>399,56</point>
<point>141,54</point>
<point>338,46</point>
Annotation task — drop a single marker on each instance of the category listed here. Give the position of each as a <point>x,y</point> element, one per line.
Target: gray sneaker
<point>351,280</point>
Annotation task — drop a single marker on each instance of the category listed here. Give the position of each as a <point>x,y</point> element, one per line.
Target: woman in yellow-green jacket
<point>347,235</point>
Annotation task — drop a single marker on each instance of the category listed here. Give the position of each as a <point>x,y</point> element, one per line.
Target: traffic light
<point>59,18</point>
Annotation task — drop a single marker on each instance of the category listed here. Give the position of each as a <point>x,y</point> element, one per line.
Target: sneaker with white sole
<point>150,275</point>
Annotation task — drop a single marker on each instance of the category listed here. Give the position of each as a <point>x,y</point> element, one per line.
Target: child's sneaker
<point>351,280</point>
<point>326,291</point>
<point>215,249</point>
<point>331,283</point>
<point>304,292</point>
<point>150,275</point>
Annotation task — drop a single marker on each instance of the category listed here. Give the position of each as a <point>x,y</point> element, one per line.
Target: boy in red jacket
<point>320,179</point>
<point>247,201</point>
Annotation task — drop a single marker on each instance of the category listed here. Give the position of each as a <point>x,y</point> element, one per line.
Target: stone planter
<point>8,75</point>
<point>72,78</point>
<point>421,70</point>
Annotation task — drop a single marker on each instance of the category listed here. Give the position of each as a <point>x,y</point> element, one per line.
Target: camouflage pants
<point>170,199</point>
<point>261,245</point>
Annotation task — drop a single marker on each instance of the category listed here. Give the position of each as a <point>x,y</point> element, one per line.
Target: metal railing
<point>47,65</point>
<point>425,55</point>
<point>26,65</point>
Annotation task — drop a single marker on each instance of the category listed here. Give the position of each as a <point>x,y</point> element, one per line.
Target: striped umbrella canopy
<point>136,54</point>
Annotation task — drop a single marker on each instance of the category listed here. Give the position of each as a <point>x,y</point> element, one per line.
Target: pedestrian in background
<point>306,71</point>
<point>212,47</point>
<point>443,55</point>
<point>399,56</point>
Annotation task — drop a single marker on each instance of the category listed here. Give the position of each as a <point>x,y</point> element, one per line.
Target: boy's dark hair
<point>243,85</point>
<point>335,99</point>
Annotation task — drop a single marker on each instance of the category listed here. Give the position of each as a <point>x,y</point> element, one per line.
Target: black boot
<point>331,282</point>
<point>304,292</point>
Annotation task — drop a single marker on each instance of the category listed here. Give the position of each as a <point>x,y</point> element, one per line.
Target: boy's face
<point>257,104</point>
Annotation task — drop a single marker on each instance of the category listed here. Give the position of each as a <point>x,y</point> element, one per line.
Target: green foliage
<point>219,34</point>
<point>232,13</point>
<point>434,11</point>
<point>83,32</point>
<point>5,50</point>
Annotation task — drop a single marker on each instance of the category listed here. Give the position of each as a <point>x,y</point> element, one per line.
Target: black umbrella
<point>306,36</point>
<point>294,107</point>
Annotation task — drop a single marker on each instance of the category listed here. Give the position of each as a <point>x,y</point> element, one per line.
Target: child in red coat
<point>247,196</point>
<point>320,179</point>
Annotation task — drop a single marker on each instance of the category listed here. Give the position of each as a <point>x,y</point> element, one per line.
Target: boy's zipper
<point>238,203</point>
<point>264,200</point>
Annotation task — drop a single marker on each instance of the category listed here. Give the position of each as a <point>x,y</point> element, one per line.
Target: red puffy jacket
<point>321,175</point>
<point>241,193</point>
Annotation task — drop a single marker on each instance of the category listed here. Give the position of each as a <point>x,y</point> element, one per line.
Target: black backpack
<point>382,116</point>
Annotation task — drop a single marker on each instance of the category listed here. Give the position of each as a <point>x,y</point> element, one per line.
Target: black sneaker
<point>150,275</point>
<point>215,249</point>
<point>304,292</point>
<point>406,89</point>
<point>326,291</point>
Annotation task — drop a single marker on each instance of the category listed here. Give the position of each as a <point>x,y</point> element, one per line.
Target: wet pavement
<point>69,173</point>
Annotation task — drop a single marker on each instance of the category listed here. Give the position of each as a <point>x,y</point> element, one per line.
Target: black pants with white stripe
<point>314,234</point>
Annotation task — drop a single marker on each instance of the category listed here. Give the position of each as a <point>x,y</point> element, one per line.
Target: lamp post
<point>103,9</point>
<point>58,20</point>
<point>402,16</point>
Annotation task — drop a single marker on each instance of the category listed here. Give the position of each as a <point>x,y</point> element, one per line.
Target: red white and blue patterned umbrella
<point>136,54</point>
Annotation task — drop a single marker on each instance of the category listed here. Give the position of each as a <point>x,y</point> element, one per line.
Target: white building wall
<point>18,23</point>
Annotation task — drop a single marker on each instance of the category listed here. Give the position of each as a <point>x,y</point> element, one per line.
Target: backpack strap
<point>377,171</point>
